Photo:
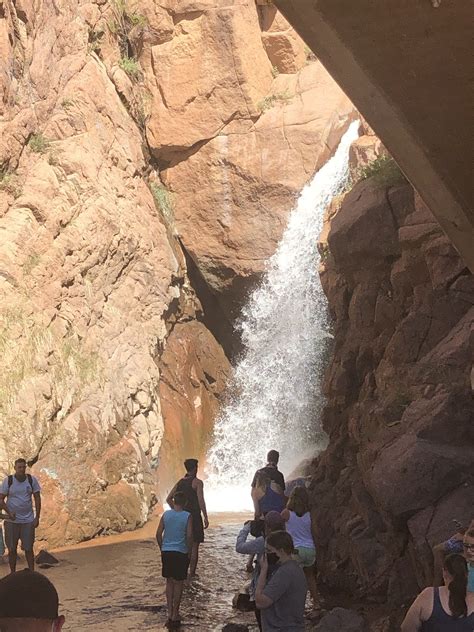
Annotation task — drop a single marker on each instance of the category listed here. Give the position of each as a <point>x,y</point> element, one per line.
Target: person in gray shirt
<point>281,599</point>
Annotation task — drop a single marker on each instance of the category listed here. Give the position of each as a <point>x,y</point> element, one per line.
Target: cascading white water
<point>275,396</point>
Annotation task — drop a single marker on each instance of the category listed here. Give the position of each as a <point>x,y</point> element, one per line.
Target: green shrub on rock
<point>39,143</point>
<point>163,201</point>
<point>384,170</point>
<point>131,67</point>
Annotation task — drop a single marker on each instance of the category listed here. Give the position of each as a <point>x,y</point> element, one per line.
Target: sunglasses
<point>468,547</point>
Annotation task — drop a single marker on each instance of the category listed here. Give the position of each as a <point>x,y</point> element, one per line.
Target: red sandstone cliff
<point>149,155</point>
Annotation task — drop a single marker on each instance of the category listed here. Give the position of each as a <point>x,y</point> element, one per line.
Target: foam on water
<point>275,396</point>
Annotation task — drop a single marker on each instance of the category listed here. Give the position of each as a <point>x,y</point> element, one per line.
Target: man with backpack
<point>20,489</point>
<point>268,487</point>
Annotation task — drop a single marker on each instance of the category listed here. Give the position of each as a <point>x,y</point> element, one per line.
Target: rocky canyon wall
<point>149,155</point>
<point>400,462</point>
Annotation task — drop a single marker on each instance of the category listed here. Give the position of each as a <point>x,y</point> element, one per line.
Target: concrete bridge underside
<point>407,67</point>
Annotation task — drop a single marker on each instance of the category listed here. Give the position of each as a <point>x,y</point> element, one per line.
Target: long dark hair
<point>456,566</point>
<point>298,501</point>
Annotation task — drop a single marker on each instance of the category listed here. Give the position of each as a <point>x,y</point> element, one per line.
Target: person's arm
<point>169,498</point>
<point>415,616</point>
<point>189,534</point>
<point>3,504</point>
<point>159,532</point>
<point>285,514</point>
<point>256,497</point>
<point>36,489</point>
<point>37,498</point>
<point>202,502</point>
<point>261,600</point>
<point>282,482</point>
<point>266,595</point>
<point>254,547</point>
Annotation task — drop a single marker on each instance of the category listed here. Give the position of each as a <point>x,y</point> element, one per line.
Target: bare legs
<point>311,580</point>
<point>193,561</point>
<point>30,559</point>
<point>177,594</point>
<point>12,555</point>
<point>174,592</point>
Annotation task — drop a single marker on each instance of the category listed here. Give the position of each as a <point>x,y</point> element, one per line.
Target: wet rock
<point>341,619</point>
<point>241,601</point>
<point>194,372</point>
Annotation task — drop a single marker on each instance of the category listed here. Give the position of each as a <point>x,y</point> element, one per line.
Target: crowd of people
<point>278,544</point>
<point>281,551</point>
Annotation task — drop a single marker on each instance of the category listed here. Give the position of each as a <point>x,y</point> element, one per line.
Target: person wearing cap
<point>193,489</point>
<point>273,521</point>
<point>20,489</point>
<point>29,603</point>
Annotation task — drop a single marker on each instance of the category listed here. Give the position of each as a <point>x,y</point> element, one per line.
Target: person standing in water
<point>268,487</point>
<point>193,489</point>
<point>175,539</point>
<point>268,492</point>
<point>20,489</point>
<point>297,517</point>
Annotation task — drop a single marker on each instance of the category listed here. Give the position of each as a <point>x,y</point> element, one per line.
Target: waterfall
<point>275,396</point>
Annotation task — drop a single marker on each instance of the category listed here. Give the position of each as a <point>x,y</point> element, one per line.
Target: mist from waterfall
<point>275,397</point>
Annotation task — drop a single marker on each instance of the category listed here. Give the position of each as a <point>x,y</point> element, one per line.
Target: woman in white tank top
<point>298,524</point>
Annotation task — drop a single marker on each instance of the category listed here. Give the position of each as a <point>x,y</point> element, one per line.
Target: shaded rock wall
<point>149,155</point>
<point>400,462</point>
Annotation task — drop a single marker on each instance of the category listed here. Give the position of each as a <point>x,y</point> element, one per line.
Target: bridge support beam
<point>406,66</point>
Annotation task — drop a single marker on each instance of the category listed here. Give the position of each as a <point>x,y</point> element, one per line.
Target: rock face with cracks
<point>400,462</point>
<point>149,156</point>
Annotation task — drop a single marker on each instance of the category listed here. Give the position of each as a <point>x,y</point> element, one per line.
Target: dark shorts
<point>174,565</point>
<point>198,528</point>
<point>24,532</point>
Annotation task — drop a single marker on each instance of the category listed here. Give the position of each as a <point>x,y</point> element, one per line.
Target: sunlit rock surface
<point>104,330</point>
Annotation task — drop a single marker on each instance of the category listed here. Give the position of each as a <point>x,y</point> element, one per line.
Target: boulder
<point>341,619</point>
<point>212,71</point>
<point>44,557</point>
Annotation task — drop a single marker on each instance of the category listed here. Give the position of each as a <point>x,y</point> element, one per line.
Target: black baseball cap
<point>29,595</point>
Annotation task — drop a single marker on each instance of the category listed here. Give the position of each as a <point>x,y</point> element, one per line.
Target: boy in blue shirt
<point>175,539</point>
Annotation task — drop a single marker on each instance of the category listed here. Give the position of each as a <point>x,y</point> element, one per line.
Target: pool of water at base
<point>118,587</point>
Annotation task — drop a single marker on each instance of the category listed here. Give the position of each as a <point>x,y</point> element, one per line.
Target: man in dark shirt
<point>193,489</point>
<point>268,487</point>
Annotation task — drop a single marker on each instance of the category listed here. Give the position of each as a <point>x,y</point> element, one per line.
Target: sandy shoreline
<point>148,531</point>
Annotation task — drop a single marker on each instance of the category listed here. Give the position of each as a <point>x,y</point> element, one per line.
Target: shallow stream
<point>118,587</point>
